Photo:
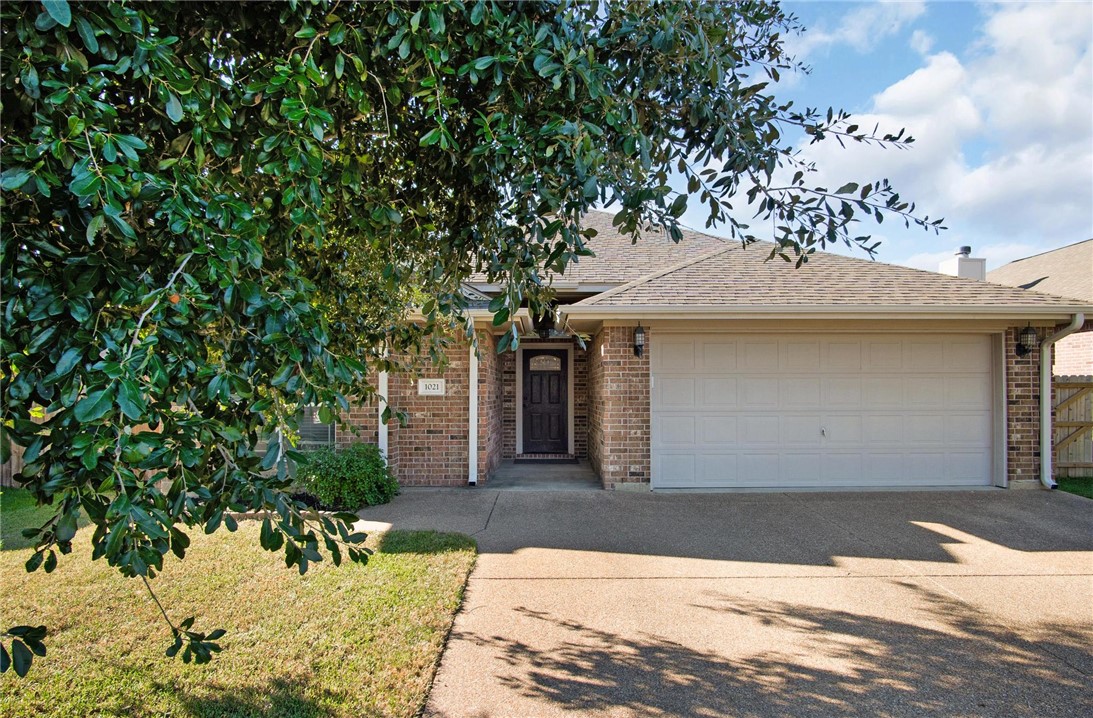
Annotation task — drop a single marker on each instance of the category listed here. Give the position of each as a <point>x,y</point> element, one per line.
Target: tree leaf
<point>174,108</point>
<point>94,406</point>
<point>60,12</point>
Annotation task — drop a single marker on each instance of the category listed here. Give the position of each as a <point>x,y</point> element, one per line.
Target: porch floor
<point>544,477</point>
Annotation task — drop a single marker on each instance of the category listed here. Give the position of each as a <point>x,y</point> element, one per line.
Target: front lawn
<point>348,641</point>
<point>1080,485</point>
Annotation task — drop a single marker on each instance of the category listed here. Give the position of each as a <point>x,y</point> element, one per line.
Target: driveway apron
<point>834,604</point>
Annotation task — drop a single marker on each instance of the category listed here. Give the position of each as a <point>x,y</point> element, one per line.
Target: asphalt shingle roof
<point>737,276</point>
<point>618,260</point>
<point>1066,272</point>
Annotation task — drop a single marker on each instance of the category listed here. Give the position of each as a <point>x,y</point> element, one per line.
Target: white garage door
<point>810,411</point>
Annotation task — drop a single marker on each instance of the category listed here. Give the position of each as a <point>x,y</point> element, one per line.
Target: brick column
<point>618,382</point>
<point>1022,410</point>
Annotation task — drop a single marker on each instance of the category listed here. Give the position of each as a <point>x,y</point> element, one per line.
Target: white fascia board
<point>822,312</point>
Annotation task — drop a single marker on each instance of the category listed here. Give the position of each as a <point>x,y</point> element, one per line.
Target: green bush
<point>348,479</point>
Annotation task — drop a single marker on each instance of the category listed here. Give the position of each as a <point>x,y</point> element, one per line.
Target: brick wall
<point>490,406</point>
<point>1073,355</point>
<point>507,367</point>
<point>431,449</point>
<point>619,395</point>
<point>1022,410</point>
<point>595,403</point>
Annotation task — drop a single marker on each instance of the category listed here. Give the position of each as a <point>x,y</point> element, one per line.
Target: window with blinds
<point>314,433</point>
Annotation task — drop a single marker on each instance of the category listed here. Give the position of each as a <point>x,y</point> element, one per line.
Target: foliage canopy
<point>195,193</point>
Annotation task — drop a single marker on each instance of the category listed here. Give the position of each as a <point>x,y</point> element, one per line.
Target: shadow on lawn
<point>280,697</point>
<point>820,662</point>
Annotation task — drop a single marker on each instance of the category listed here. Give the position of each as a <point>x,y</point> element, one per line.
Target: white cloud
<point>862,29</point>
<point>1004,136</point>
<point>921,42</point>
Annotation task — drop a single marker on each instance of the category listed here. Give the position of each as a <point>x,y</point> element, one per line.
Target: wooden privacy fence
<point>1073,426</point>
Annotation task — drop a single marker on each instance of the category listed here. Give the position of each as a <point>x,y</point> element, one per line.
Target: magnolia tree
<point>214,213</point>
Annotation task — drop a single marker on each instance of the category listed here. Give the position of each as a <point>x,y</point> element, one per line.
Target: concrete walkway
<point>869,604</point>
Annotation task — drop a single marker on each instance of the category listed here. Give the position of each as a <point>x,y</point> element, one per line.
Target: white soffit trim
<point>707,311</point>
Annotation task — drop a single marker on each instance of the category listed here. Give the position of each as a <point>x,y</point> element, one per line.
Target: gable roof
<point>618,260</point>
<point>740,278</point>
<point>1066,272</point>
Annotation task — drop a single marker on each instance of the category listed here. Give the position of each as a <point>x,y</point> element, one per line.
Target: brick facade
<point>611,413</point>
<point>431,449</point>
<point>1022,410</point>
<point>1073,355</point>
<point>619,398</point>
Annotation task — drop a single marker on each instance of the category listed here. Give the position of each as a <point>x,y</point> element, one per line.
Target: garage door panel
<point>801,356</point>
<point>968,391</point>
<point>675,392</point>
<point>677,431</point>
<point>882,392</point>
<point>844,469</point>
<point>801,430</point>
<point>924,392</point>
<point>968,429</point>
<point>966,468</point>
<point>674,355</point>
<point>969,356</point>
<point>738,410</point>
<point>925,356</point>
<point>760,355</point>
<point>884,429</point>
<point>718,356</point>
<point>720,431</point>
<point>718,392</point>
<point>924,429</point>
<point>760,430</point>
<point>883,356</point>
<point>845,392</point>
<point>801,469</point>
<point>715,469</point>
<point>760,393</point>
<point>843,356</point>
<point>842,429</point>
<point>799,392</point>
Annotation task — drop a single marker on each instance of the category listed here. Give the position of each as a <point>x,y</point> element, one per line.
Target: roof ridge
<point>650,277</point>
<point>1040,254</point>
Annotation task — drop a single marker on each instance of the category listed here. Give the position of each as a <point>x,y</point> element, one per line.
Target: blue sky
<point>999,98</point>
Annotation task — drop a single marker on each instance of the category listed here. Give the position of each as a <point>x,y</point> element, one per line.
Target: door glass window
<point>545,362</point>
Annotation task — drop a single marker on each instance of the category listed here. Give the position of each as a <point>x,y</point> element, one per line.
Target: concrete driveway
<point>867,604</point>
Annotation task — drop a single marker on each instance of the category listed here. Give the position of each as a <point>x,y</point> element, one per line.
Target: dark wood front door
<point>546,409</point>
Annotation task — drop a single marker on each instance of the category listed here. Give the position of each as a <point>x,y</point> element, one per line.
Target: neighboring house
<point>1065,272</point>
<point>753,374</point>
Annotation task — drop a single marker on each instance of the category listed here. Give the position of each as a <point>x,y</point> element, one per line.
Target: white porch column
<point>472,419</point>
<point>382,427</point>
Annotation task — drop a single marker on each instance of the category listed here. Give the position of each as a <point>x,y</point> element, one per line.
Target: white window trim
<point>519,397</point>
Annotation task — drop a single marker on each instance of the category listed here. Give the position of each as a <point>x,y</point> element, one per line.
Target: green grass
<point>348,641</point>
<point>1080,485</point>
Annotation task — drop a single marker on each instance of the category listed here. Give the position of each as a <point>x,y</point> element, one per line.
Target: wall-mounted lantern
<point>639,341</point>
<point>1026,341</point>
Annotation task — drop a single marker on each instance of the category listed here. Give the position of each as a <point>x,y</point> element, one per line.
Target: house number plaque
<point>430,387</point>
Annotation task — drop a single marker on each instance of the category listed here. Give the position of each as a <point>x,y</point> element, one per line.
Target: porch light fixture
<point>639,341</point>
<point>1026,341</point>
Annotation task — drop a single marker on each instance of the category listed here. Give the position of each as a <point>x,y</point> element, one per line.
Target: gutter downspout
<point>1046,457</point>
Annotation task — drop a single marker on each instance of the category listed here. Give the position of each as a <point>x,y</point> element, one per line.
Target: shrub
<point>348,479</point>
